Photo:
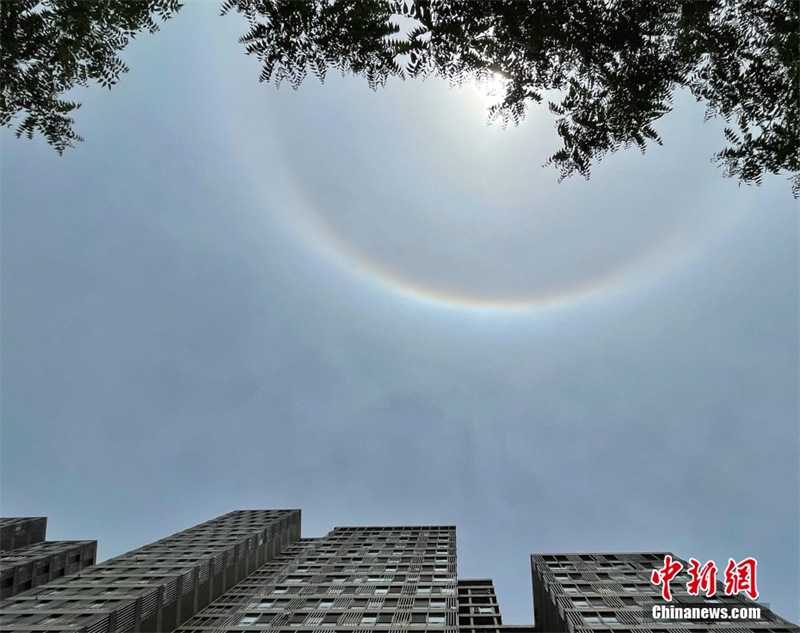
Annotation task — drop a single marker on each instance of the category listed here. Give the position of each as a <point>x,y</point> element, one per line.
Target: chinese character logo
<point>741,576</point>
<point>702,579</point>
<point>664,575</point>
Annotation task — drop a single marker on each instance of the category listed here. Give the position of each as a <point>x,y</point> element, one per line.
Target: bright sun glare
<point>489,88</point>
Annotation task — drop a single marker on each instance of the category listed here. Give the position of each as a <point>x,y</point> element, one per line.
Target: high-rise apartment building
<point>28,561</point>
<point>159,586</point>
<point>354,578</point>
<point>250,571</point>
<point>590,592</point>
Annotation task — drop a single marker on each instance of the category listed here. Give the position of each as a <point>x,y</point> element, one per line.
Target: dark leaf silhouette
<point>615,64</point>
<point>50,47</point>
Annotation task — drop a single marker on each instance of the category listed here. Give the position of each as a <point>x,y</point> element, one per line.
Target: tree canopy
<point>48,48</point>
<point>615,63</point>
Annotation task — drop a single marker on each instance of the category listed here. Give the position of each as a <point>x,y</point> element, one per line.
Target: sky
<point>377,308</point>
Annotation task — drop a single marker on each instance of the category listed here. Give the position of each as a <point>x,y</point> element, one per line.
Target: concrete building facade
<point>27,560</point>
<point>159,586</point>
<point>16,532</point>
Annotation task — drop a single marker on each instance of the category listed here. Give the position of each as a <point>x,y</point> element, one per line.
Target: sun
<point>489,88</point>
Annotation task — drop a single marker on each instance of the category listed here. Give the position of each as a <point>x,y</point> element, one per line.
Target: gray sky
<point>372,306</point>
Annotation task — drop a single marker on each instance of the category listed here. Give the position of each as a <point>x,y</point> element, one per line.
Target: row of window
<point>301,574</point>
<point>245,595</point>
<point>600,618</point>
<point>596,559</point>
<point>593,602</point>
<point>332,619</point>
<point>398,549</point>
<point>78,591</point>
<point>353,603</point>
<point>388,577</point>
<point>385,544</point>
<point>483,610</point>
<point>594,568</point>
<point>48,605</point>
<point>475,600</point>
<point>373,532</point>
<point>438,558</point>
<point>585,603</point>
<point>33,553</point>
<point>341,588</point>
<point>560,577</point>
<point>36,619</point>
<point>371,546</point>
<point>629,588</point>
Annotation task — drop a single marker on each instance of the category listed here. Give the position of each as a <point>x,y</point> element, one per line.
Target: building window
<point>325,604</point>
<point>248,620</point>
<point>368,620</point>
<point>605,618</point>
<point>436,618</point>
